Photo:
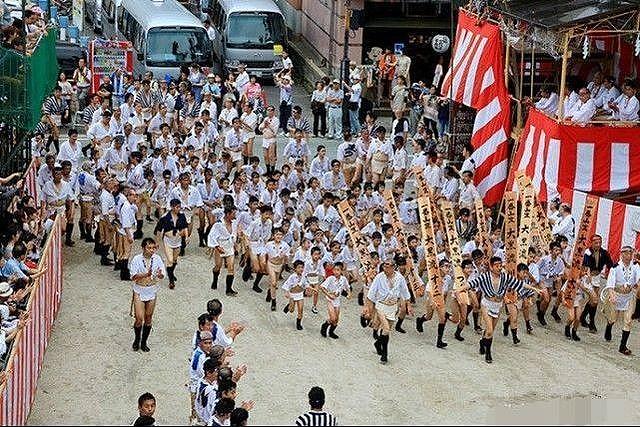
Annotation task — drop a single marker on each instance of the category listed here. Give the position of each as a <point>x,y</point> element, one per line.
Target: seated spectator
<point>583,110</point>
<point>548,102</point>
<point>625,107</point>
<point>610,93</point>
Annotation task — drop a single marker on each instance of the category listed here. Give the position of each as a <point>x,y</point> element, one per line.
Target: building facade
<point>406,24</point>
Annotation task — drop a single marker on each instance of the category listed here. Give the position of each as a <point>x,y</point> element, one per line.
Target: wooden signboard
<point>579,247</point>
<point>429,243</point>
<point>454,249</point>
<point>527,213</point>
<point>482,228</point>
<point>359,241</point>
<point>401,235</point>
<point>510,230</point>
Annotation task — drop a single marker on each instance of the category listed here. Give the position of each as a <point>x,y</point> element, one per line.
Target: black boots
<point>299,324</point>
<point>246,271</point>
<point>541,319</point>
<point>137,235</point>
<point>607,332</point>
<point>332,330</point>
<point>623,343</point>
<point>104,256</point>
<point>201,238</point>
<point>323,329</point>
<point>68,233</point>
<point>529,327</point>
<point>229,288</point>
<point>87,233</point>
<point>273,303</point>
<point>83,233</point>
<point>399,326</point>
<point>487,348</point>
<point>361,298</point>
<point>256,283</point>
<point>555,315</point>
<point>505,328</point>
<point>476,326</point>
<point>137,330</point>
<point>125,275</point>
<point>440,343</point>
<point>171,276</point>
<point>384,348</point>
<point>146,330</point>
<point>214,282</point>
<point>593,309</point>
<point>567,331</point>
<point>583,316</point>
<point>514,336</point>
<point>420,323</point>
<point>457,334</point>
<point>574,335</point>
<point>183,246</point>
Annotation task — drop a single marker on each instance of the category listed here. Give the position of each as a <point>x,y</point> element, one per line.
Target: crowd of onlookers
<point>22,34</point>
<point>23,231</point>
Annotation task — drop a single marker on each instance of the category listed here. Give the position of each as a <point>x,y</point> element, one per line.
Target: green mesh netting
<point>25,81</point>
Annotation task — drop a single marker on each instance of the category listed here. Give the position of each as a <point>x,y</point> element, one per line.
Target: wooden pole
<point>521,87</point>
<point>506,62</point>
<point>566,54</point>
<point>533,66</point>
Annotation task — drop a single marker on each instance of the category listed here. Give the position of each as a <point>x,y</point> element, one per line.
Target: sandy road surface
<point>91,376</point>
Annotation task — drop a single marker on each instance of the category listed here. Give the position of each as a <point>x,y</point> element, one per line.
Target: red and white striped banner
<point>617,223</point>
<point>589,159</point>
<point>476,79</point>
<point>31,181</point>
<point>24,363</point>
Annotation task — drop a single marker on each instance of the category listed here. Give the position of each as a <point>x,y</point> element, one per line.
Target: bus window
<point>255,30</point>
<point>171,47</point>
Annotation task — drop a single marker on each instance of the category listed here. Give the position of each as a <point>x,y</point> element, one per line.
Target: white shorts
<point>334,302</point>
<point>598,281</point>
<point>623,301</point>
<point>387,311</point>
<point>267,142</point>
<point>296,296</point>
<point>236,156</point>
<point>257,248</point>
<point>146,293</point>
<point>493,308</point>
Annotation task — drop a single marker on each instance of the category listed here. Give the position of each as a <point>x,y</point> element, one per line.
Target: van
<point>251,32</point>
<point>163,33</point>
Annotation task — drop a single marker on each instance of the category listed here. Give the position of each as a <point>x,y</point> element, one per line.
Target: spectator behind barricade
<point>583,110</point>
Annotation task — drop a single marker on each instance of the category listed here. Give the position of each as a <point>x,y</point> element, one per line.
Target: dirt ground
<point>91,376</point>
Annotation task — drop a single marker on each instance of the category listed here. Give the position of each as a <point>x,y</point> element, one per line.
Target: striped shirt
<point>53,106</point>
<point>316,418</point>
<point>484,283</point>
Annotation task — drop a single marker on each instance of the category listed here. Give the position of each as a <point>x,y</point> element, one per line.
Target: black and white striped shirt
<point>54,106</point>
<point>316,418</point>
<point>484,283</point>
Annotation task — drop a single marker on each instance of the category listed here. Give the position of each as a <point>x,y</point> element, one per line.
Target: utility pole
<point>344,65</point>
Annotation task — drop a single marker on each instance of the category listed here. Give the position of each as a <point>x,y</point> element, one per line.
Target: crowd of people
<point>601,99</point>
<point>22,34</point>
<point>24,230</point>
<point>180,154</point>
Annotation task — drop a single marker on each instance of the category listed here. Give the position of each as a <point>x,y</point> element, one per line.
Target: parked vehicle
<point>163,33</point>
<point>248,31</point>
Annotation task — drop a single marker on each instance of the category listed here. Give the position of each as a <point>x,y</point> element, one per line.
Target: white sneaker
<point>314,310</point>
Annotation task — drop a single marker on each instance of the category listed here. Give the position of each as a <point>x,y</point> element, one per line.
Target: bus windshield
<point>260,30</point>
<point>171,47</point>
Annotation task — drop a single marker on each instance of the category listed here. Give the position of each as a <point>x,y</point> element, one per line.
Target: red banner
<point>592,159</point>
<point>25,361</point>
<point>476,79</point>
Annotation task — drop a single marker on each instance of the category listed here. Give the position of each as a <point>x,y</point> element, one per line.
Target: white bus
<point>246,32</point>
<point>164,35</point>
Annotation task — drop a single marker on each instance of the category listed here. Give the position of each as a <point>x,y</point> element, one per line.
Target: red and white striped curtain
<point>476,79</point>
<point>24,363</point>
<point>590,159</point>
